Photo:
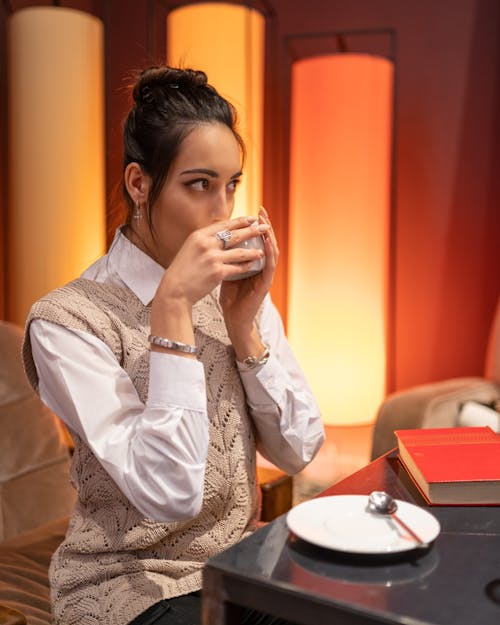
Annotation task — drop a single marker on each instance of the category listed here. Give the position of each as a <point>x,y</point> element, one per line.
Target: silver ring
<point>224,236</point>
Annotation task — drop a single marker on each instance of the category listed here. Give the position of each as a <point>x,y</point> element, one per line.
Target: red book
<point>453,465</point>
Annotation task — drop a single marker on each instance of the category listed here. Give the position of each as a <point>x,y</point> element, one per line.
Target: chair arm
<point>276,489</point>
<point>8,616</point>
<point>24,580</point>
<point>431,405</point>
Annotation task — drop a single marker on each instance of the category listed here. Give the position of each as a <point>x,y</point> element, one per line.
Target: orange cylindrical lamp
<point>235,66</point>
<point>339,229</point>
<point>56,151</point>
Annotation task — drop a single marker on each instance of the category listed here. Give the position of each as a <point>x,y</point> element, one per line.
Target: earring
<point>137,211</point>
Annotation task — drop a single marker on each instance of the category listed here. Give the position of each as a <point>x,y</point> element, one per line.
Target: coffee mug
<point>255,243</point>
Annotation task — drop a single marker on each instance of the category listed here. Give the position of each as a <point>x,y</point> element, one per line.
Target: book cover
<point>453,465</point>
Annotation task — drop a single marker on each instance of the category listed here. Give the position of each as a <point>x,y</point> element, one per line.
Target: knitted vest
<point>114,563</point>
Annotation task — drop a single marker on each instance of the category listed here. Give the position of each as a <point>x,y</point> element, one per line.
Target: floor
<point>345,450</point>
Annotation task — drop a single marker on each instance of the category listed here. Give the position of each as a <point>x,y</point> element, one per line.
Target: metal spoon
<point>380,502</point>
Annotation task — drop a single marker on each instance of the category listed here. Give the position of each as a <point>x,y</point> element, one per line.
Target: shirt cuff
<point>176,381</point>
<point>264,385</point>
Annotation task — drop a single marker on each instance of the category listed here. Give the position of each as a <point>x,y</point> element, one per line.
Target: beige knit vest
<point>114,563</point>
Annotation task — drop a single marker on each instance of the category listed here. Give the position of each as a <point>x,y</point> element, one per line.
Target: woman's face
<point>199,188</point>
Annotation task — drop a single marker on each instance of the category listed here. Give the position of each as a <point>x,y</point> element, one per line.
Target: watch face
<point>252,361</point>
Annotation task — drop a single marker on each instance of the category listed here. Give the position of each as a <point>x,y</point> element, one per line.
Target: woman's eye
<point>198,185</point>
<point>233,184</point>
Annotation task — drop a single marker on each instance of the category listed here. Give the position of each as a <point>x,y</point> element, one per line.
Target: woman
<point>168,370</point>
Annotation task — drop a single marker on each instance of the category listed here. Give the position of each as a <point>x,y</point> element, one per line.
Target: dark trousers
<point>186,610</point>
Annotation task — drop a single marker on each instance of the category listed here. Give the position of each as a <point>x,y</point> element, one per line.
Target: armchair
<point>439,404</point>
<point>34,458</point>
<point>35,492</point>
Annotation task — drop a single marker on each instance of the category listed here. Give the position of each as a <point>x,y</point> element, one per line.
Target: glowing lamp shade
<point>227,42</point>
<point>339,225</point>
<point>56,220</point>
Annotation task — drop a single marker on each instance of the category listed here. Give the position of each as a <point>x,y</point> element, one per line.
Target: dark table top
<point>456,581</point>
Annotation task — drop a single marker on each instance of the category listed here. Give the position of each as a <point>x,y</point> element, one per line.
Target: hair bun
<point>162,78</point>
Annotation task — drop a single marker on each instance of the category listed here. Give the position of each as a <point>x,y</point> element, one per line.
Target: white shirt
<point>156,452</point>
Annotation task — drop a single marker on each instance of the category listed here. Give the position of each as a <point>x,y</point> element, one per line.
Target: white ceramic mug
<point>257,266</point>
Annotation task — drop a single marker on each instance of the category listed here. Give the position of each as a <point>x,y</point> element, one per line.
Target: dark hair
<point>168,104</point>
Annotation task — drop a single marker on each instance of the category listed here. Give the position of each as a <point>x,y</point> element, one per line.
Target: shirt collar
<point>136,269</point>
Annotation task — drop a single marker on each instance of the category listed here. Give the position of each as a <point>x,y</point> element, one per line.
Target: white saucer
<point>342,522</point>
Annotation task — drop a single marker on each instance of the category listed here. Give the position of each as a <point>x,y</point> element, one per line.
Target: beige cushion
<point>492,367</point>
<point>34,458</point>
<point>427,406</point>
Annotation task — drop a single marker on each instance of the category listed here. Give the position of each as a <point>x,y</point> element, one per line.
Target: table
<point>456,581</point>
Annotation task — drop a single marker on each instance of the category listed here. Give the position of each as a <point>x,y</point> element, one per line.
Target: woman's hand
<point>204,261</point>
<point>241,299</point>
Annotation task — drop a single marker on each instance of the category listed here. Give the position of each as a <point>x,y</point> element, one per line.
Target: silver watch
<point>250,362</point>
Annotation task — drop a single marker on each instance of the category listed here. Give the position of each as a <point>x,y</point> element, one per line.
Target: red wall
<point>446,224</point>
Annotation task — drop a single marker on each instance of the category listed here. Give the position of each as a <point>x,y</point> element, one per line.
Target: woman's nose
<point>223,206</point>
